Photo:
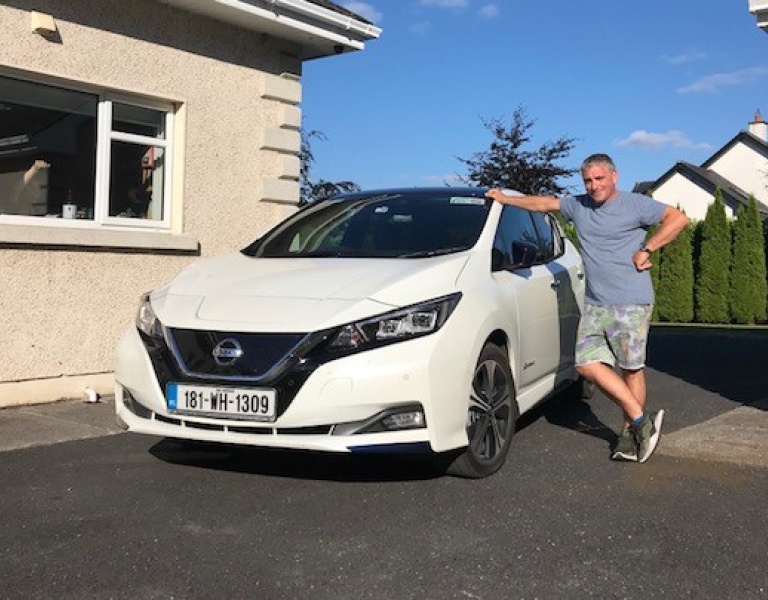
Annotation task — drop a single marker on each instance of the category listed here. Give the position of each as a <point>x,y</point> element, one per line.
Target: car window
<point>515,225</point>
<point>543,224</point>
<point>400,225</point>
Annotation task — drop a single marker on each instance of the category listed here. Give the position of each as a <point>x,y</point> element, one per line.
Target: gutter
<point>323,14</point>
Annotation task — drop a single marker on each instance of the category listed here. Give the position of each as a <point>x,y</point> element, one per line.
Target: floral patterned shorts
<point>615,335</point>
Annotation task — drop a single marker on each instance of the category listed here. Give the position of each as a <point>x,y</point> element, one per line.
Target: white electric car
<point>394,321</point>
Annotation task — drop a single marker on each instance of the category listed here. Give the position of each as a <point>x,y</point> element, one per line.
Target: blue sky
<point>650,82</point>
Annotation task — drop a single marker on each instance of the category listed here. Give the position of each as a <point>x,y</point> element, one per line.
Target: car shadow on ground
<point>297,464</point>
<point>565,409</point>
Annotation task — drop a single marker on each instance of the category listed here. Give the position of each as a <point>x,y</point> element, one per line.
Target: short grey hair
<point>598,159</point>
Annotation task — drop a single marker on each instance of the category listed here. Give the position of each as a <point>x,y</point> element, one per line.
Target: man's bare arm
<point>673,221</point>
<point>533,203</point>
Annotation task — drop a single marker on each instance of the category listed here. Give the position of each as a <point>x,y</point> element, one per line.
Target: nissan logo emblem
<point>227,352</point>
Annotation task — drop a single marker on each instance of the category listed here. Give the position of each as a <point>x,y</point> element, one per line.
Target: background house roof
<point>744,137</point>
<point>710,181</point>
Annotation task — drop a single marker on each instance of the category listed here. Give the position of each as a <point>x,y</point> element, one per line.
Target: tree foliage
<point>747,292</point>
<point>655,271</point>
<point>711,288</point>
<point>508,164</point>
<point>675,289</point>
<point>311,191</point>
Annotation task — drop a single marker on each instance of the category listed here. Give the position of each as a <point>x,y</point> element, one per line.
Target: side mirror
<point>523,254</point>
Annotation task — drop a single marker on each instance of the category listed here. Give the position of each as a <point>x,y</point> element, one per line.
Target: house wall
<point>64,306</point>
<point>746,168</point>
<point>680,192</point>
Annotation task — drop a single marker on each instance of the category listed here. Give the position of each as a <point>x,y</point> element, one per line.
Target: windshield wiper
<point>437,252</point>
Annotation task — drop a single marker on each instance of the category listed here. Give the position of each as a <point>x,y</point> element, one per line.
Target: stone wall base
<point>41,391</point>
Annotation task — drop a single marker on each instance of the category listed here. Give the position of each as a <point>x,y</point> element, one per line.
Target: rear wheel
<point>491,416</point>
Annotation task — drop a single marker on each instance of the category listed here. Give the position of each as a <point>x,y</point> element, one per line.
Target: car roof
<point>477,192</point>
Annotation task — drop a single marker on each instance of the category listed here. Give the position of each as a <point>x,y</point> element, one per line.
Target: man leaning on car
<point>612,226</point>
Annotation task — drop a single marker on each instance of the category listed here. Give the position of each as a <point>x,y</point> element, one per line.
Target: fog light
<point>404,420</point>
<point>410,416</point>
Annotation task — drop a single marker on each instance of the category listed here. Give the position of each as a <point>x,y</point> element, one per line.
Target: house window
<point>81,158</point>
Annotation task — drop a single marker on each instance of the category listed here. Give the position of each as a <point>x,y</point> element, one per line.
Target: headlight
<point>146,319</point>
<point>397,326</point>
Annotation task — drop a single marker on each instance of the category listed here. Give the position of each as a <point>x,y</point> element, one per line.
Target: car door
<point>566,267</point>
<point>530,294</point>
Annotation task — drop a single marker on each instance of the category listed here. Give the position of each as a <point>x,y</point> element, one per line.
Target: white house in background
<point>135,137</point>
<point>759,8</point>
<point>739,170</point>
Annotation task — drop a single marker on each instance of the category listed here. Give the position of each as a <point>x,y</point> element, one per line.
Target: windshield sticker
<point>467,200</point>
<point>381,209</point>
<point>402,219</point>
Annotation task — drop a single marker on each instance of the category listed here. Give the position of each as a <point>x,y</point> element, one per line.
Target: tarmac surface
<point>738,436</point>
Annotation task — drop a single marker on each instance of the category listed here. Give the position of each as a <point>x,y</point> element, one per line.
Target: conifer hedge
<point>711,287</point>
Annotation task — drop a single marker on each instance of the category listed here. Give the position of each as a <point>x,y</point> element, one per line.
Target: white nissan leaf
<point>395,321</point>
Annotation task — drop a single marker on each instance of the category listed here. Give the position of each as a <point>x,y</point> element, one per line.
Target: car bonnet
<point>300,294</point>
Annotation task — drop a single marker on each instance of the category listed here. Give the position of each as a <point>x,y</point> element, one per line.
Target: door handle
<point>555,284</point>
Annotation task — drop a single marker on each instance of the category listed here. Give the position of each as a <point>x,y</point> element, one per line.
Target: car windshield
<point>390,225</point>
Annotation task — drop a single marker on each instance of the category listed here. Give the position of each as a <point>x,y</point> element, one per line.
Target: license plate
<point>209,400</point>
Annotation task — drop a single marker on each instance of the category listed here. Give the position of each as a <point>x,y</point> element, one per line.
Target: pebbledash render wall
<point>66,296</point>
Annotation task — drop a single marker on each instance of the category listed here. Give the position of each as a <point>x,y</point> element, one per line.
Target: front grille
<point>262,353</point>
<point>286,377</point>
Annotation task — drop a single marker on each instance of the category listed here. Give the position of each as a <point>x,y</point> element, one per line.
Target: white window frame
<point>103,160</point>
<point>104,138</point>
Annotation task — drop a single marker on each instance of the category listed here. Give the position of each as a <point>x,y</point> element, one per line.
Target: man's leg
<point>615,387</point>
<point>628,342</point>
<point>618,334</point>
<point>635,380</point>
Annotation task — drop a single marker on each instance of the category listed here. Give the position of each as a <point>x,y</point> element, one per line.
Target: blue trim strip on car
<point>407,448</point>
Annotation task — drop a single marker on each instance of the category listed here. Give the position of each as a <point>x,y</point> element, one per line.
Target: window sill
<point>29,235</point>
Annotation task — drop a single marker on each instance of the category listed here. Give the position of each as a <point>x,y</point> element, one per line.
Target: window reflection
<point>137,170</point>
<point>47,150</point>
<point>136,182</point>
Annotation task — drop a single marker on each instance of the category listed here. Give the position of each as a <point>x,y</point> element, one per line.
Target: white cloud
<point>712,83</point>
<point>650,140</point>
<point>364,9</point>
<point>446,3</point>
<point>489,11</point>
<point>686,57</point>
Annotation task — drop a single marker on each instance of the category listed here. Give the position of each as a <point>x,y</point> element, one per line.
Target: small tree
<point>675,294</point>
<point>507,165</point>
<point>711,297</point>
<point>313,191</point>
<point>747,292</point>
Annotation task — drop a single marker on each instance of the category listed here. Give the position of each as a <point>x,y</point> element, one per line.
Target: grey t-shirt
<point>610,234</point>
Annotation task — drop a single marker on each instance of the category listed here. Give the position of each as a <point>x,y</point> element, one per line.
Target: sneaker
<point>625,448</point>
<point>647,435</point>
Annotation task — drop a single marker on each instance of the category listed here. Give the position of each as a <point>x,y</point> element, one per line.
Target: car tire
<point>491,416</point>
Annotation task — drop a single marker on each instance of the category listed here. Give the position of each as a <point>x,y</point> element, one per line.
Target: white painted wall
<point>681,192</point>
<point>745,167</point>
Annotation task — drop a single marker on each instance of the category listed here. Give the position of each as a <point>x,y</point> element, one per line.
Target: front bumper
<point>331,408</point>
